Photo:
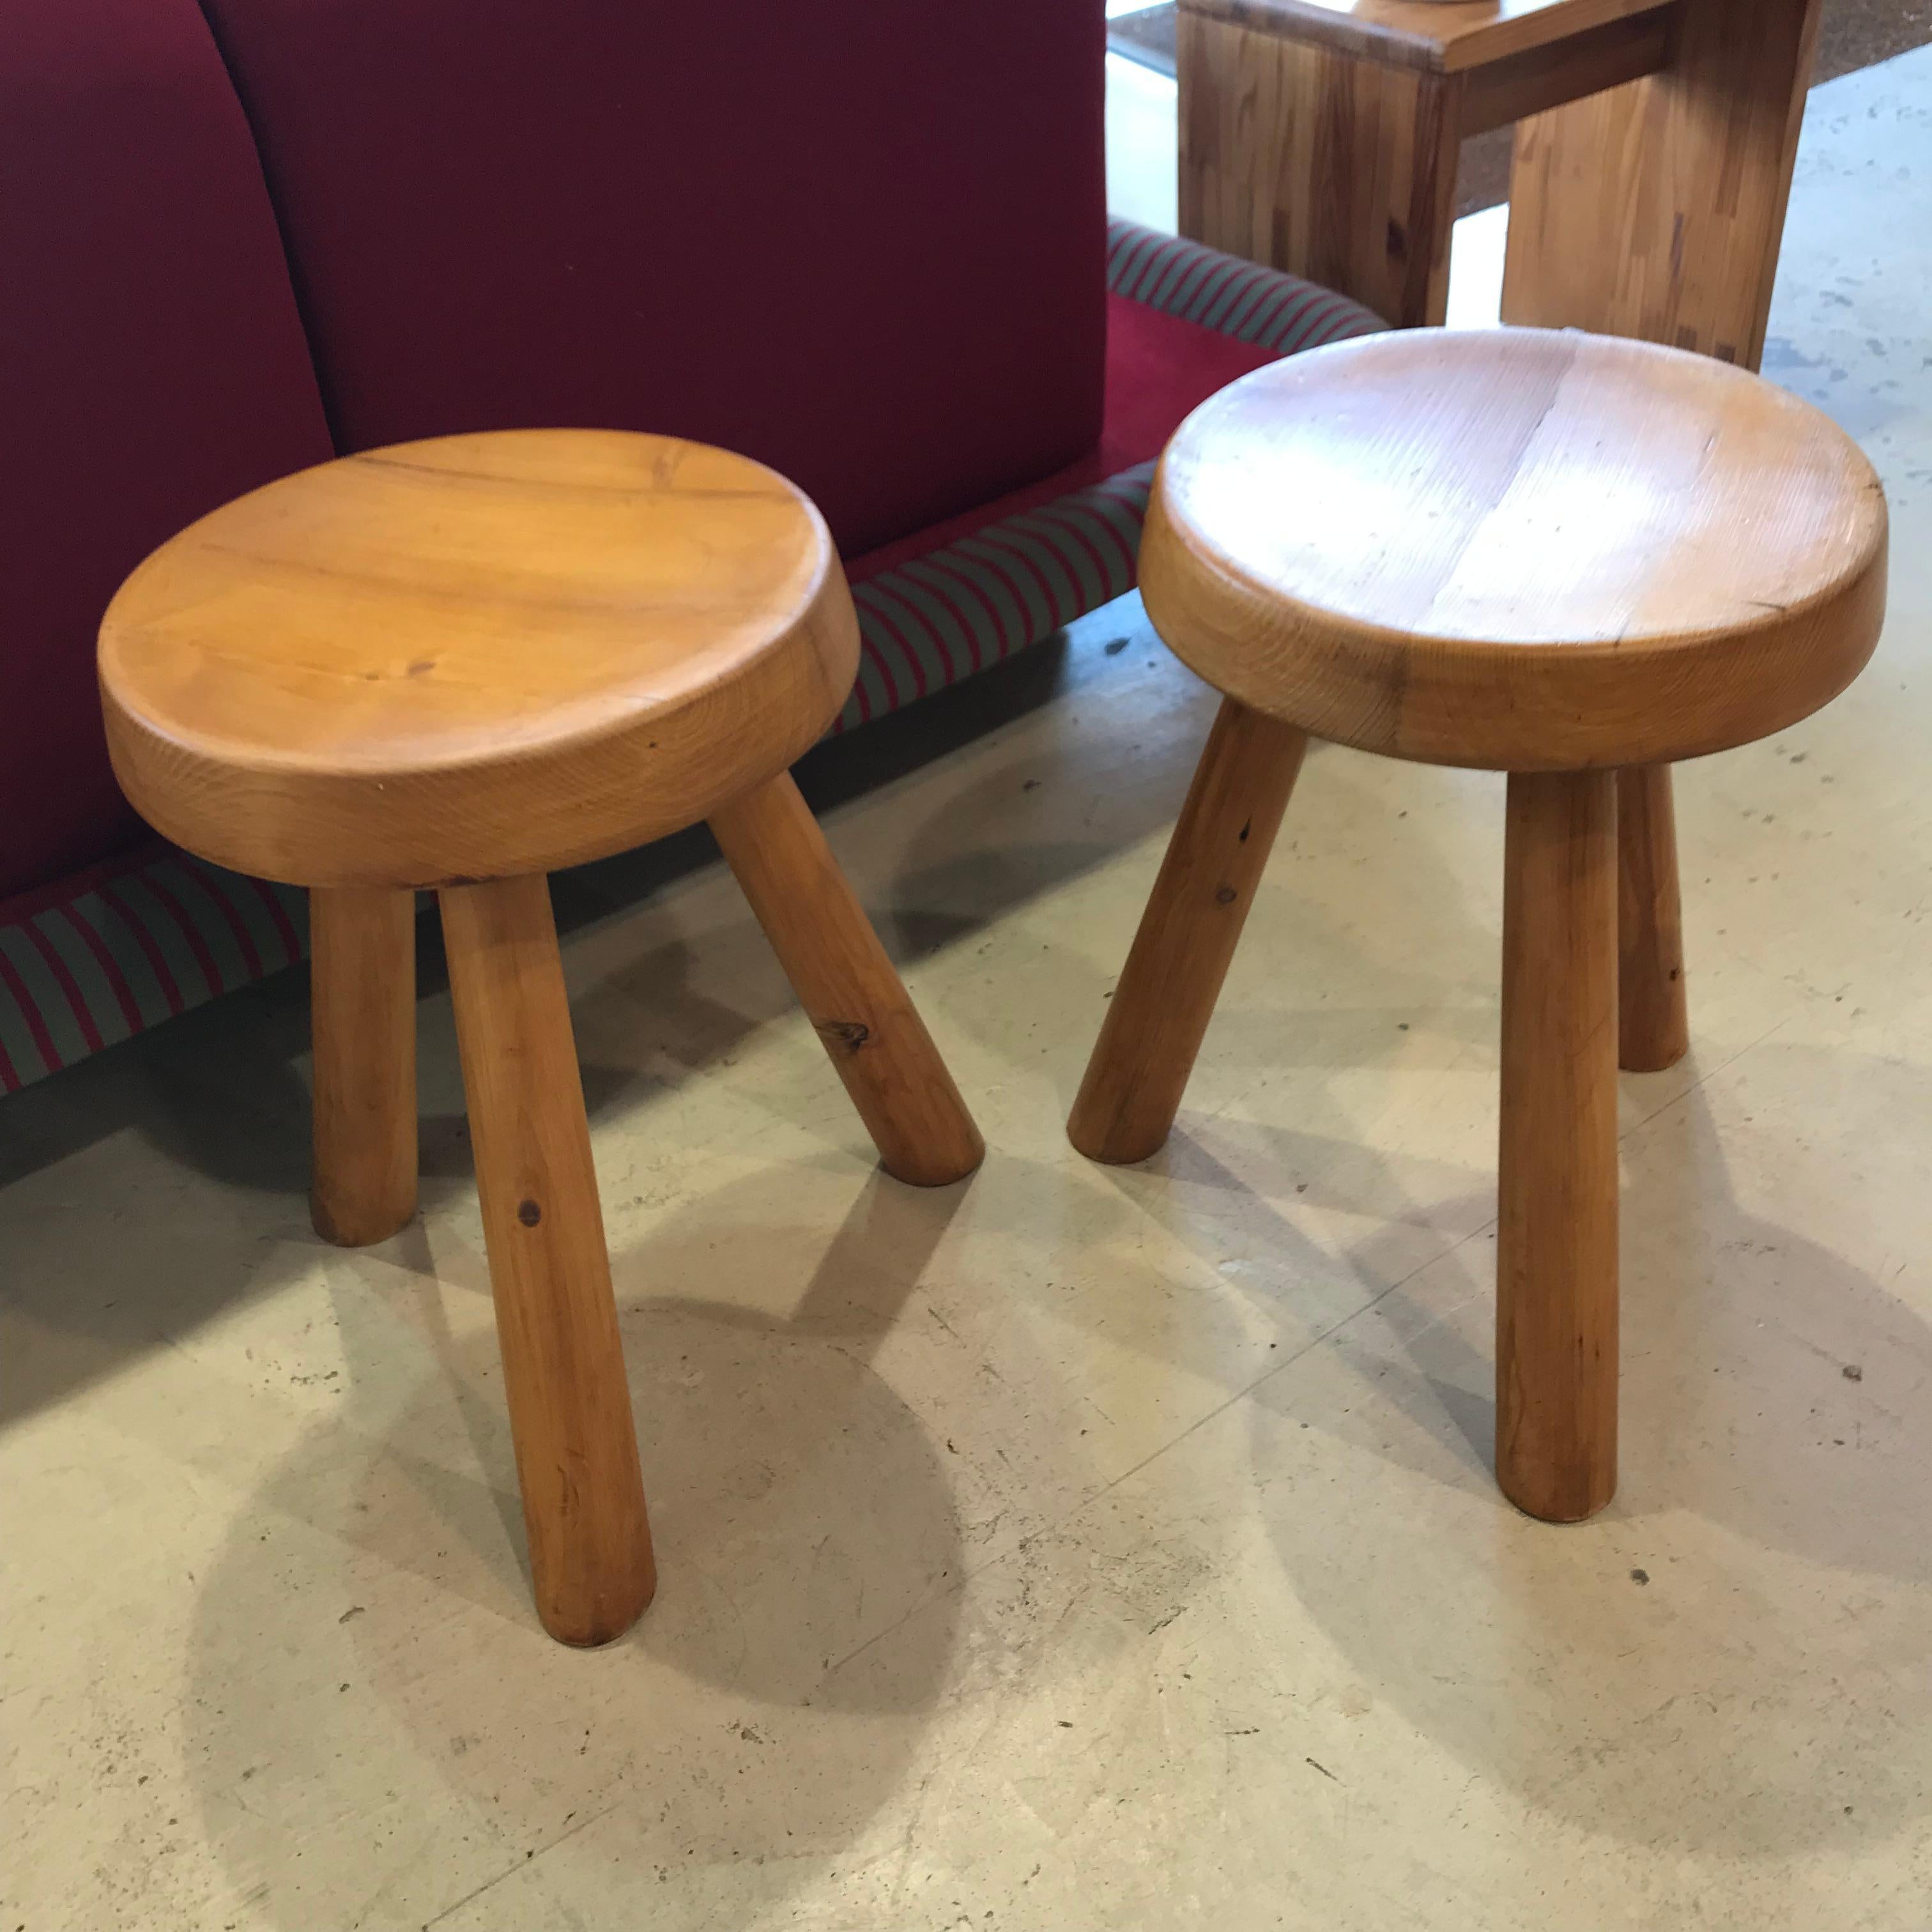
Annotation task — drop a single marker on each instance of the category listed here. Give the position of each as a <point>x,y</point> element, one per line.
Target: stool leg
<point>847,987</point>
<point>557,1321</point>
<point>1654,1026</point>
<point>1159,1012</point>
<point>363,1002</point>
<point>1556,1250</point>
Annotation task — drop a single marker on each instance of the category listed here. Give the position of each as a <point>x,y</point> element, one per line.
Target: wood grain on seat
<point>474,657</point>
<point>1516,549</point>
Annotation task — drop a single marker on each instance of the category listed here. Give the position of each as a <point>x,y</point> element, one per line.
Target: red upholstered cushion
<point>151,365</point>
<point>861,239</point>
<point>1159,367</point>
<point>1185,321</point>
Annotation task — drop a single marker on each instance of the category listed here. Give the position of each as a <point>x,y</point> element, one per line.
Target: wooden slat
<point>1425,33</point>
<point>1505,91</point>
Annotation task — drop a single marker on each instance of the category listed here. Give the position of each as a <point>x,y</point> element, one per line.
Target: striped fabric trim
<point>941,617</point>
<point>134,942</point>
<point>1232,297</point>
<point>133,946</point>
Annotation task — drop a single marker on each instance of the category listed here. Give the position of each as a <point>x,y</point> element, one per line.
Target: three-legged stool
<point>458,665</point>
<point>1555,555</point>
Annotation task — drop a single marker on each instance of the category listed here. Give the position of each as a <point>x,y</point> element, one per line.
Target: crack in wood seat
<point>1517,549</point>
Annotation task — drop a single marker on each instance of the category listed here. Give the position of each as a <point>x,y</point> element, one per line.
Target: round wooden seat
<point>1571,558</point>
<point>1517,549</point>
<point>474,657</point>
<point>461,664</point>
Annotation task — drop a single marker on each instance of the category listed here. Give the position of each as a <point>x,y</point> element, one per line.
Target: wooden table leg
<point>848,986</point>
<point>1657,209</point>
<point>1159,1012</point>
<point>1337,169</point>
<point>363,1001</point>
<point>556,1321</point>
<point>1556,1252</point>
<point>1653,1026</point>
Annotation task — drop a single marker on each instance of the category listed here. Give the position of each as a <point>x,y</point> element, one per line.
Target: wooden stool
<point>457,665</point>
<point>1555,555</point>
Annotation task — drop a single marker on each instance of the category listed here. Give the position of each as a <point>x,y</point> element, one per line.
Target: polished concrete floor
<point>1073,1547</point>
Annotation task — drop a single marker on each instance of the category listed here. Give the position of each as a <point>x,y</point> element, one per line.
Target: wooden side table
<point>1654,152</point>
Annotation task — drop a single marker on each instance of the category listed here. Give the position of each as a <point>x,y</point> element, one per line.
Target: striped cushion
<point>136,940</point>
<point>937,618</point>
<point>1233,297</point>
<point>101,956</point>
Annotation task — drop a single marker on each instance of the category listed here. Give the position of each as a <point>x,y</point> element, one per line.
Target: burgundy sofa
<point>863,240</point>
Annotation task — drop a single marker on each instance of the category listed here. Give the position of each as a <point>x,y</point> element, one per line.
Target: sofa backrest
<point>151,365</point>
<point>861,239</point>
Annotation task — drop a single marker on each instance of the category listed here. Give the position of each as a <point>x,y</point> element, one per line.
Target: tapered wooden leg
<point>1655,1024</point>
<point>1556,1251</point>
<point>556,1321</point>
<point>363,1000</point>
<point>1311,159</point>
<point>1159,1012</point>
<point>848,986</point>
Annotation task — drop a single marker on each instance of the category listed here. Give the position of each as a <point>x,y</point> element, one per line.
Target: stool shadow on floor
<point>222,1092</point>
<point>1001,843</point>
<point>217,1089</point>
<point>1763,1572</point>
<point>132,1191</point>
<point>221,1095</point>
<point>1271,1177</point>
<point>800,1510</point>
